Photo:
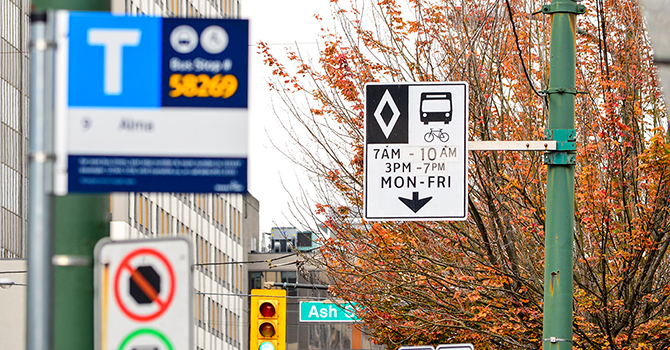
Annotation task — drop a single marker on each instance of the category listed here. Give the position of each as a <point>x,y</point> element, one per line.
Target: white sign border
<point>97,275</point>
<point>222,140</point>
<point>465,160</point>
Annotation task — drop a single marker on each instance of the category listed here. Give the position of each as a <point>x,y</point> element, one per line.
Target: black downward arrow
<point>415,203</point>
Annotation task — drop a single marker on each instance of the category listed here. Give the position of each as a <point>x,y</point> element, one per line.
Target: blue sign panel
<point>156,104</point>
<point>155,174</point>
<point>204,64</point>
<point>114,61</point>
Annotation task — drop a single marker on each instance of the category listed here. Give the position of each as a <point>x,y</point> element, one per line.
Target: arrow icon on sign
<point>415,204</point>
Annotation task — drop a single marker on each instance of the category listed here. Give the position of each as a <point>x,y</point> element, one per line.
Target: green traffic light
<point>266,346</point>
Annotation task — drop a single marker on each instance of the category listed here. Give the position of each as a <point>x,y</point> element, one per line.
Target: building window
<point>239,224</point>
<point>290,277</point>
<point>227,327</point>
<point>212,316</point>
<point>163,220</point>
<point>239,278</point>
<point>220,271</point>
<point>230,324</point>
<point>200,250</point>
<point>218,211</point>
<point>232,273</point>
<point>199,312</point>
<point>143,212</point>
<point>201,203</point>
<point>304,239</point>
<point>256,280</point>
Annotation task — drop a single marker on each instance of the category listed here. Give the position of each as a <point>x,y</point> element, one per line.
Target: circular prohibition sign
<point>146,287</point>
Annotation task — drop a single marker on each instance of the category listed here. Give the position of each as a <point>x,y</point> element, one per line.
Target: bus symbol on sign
<point>436,107</point>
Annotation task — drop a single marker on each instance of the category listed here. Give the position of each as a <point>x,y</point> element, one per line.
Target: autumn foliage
<point>481,280</point>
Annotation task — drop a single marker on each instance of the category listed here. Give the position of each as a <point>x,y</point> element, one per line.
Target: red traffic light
<point>267,329</point>
<point>267,310</point>
<point>267,319</point>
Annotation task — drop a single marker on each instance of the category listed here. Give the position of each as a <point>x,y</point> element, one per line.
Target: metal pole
<point>39,316</point>
<point>77,223</point>
<point>559,221</point>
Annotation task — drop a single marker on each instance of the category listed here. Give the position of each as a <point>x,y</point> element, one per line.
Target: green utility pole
<point>80,221</point>
<point>559,221</point>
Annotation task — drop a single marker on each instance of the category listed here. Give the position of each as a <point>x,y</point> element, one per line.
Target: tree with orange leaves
<point>480,281</point>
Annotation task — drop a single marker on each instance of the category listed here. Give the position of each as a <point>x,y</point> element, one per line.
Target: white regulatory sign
<point>416,151</point>
<point>144,294</point>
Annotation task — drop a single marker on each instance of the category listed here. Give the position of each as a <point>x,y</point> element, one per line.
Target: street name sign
<point>143,294</point>
<point>150,104</point>
<point>416,151</point>
<point>315,311</point>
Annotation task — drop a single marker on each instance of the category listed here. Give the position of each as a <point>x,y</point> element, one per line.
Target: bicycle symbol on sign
<point>430,136</point>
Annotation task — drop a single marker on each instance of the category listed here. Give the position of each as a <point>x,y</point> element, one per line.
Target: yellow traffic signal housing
<point>268,319</point>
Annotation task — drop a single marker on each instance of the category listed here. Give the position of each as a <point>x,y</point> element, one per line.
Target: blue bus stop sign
<point>150,104</point>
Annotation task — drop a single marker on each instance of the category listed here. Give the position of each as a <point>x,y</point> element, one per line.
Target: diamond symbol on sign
<point>387,100</point>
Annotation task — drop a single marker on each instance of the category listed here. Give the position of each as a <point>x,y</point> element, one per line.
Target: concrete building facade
<point>14,101</point>
<point>179,8</point>
<point>13,305</point>
<point>280,247</point>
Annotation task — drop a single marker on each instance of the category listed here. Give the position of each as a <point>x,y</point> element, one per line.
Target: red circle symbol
<point>137,277</point>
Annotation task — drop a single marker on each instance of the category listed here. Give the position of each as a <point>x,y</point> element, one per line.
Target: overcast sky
<point>278,23</point>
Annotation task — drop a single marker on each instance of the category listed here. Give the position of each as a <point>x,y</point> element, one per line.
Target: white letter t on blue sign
<point>113,41</point>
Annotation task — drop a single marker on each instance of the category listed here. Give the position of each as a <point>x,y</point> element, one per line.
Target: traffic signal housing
<point>268,319</point>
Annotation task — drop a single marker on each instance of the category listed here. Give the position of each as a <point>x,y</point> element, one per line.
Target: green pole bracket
<point>563,7</point>
<point>560,90</point>
<point>560,158</point>
<point>563,91</point>
<point>565,146</point>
